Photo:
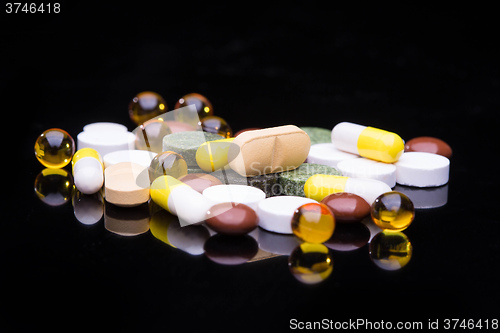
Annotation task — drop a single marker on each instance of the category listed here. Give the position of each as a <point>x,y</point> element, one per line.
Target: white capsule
<point>88,171</point>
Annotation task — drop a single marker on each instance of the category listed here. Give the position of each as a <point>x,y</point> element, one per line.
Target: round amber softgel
<point>217,125</point>
<point>54,148</point>
<point>146,105</point>
<point>167,163</point>
<point>313,222</point>
<point>201,103</point>
<point>392,211</point>
<point>149,136</point>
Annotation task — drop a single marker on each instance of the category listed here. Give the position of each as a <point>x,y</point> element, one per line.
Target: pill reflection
<point>54,186</point>
<point>126,221</point>
<point>166,227</point>
<point>425,197</point>
<point>311,263</point>
<point>231,250</point>
<point>349,237</point>
<point>390,250</point>
<point>88,209</point>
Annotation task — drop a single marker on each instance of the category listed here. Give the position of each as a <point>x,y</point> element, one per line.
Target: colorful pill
<point>368,142</point>
<point>317,187</point>
<point>88,170</point>
<point>212,155</point>
<point>180,199</point>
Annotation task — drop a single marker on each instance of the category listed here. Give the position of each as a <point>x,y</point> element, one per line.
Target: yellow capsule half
<point>161,188</point>
<point>212,155</point>
<point>380,145</point>
<point>319,186</point>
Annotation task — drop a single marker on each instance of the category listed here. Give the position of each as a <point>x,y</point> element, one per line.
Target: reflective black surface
<point>414,71</point>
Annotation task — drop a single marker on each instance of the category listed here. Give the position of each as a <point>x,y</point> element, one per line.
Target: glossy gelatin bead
<point>313,222</point>
<point>149,136</point>
<point>54,148</point>
<point>54,186</point>
<point>217,125</point>
<point>146,105</point>
<point>392,211</point>
<point>201,103</point>
<point>167,163</point>
<point>310,263</point>
<point>390,250</point>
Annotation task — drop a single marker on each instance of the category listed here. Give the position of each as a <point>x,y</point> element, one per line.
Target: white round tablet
<point>275,213</point>
<point>141,157</point>
<point>327,154</point>
<point>105,127</point>
<point>366,168</point>
<point>105,141</point>
<point>422,169</point>
<point>244,194</point>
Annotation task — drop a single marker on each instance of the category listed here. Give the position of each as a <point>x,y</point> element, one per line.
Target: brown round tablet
<point>232,218</point>
<point>428,144</point>
<point>347,207</point>
<point>200,181</point>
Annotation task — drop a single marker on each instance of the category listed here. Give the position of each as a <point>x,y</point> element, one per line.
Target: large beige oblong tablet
<point>126,184</point>
<point>269,150</point>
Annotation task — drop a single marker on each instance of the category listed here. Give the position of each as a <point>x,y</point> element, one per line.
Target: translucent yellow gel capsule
<point>212,155</point>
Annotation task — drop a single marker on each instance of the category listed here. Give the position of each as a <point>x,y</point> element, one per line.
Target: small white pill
<point>105,141</point>
<point>422,169</point>
<point>248,195</point>
<point>104,127</point>
<point>366,168</point>
<point>275,213</point>
<point>141,157</point>
<point>328,154</point>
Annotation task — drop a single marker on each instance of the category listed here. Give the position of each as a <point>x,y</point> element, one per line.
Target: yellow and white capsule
<point>319,186</point>
<point>369,142</point>
<point>88,170</point>
<point>212,155</point>
<point>180,199</point>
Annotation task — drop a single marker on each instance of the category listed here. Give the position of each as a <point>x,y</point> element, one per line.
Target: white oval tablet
<point>105,127</point>
<point>422,169</point>
<point>366,168</point>
<point>141,157</point>
<point>244,194</point>
<point>105,141</point>
<point>275,213</point>
<point>328,154</point>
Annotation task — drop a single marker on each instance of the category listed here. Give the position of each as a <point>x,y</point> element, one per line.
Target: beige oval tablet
<point>269,150</point>
<point>126,184</point>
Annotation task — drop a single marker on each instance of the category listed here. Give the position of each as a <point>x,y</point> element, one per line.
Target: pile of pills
<point>306,185</point>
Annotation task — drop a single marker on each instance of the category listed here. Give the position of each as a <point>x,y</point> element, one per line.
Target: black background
<point>414,70</point>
